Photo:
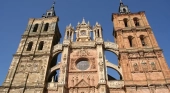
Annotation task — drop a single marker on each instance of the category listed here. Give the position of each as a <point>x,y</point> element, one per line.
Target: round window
<point>83,65</point>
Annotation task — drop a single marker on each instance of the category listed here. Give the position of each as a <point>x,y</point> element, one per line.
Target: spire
<point>121,1</point>
<point>123,9</point>
<point>51,12</point>
<point>52,7</point>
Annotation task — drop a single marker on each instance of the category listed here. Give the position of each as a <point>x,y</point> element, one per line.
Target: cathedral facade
<point>83,67</point>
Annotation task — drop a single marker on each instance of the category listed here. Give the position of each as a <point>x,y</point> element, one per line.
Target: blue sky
<point>15,15</point>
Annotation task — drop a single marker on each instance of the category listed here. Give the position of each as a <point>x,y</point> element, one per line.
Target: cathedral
<point>83,67</point>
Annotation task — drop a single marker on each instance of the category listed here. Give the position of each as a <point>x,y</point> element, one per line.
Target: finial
<point>70,25</point>
<point>97,23</point>
<point>83,21</point>
<point>88,23</point>
<point>78,23</point>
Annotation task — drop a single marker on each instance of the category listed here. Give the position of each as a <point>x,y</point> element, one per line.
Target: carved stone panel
<point>28,67</point>
<point>83,52</point>
<point>21,67</point>
<point>115,84</point>
<point>93,63</point>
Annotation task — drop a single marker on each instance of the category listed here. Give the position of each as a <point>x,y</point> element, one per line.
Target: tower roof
<point>50,12</point>
<point>123,9</point>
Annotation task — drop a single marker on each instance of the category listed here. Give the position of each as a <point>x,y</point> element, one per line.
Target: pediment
<point>82,83</point>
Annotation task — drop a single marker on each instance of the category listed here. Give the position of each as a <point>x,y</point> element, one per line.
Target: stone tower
<point>83,67</point>
<point>27,73</point>
<point>143,65</point>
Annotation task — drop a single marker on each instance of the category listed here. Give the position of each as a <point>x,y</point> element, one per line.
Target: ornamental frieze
<point>115,84</point>
<point>86,44</point>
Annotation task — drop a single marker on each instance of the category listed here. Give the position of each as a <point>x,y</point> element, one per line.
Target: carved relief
<point>144,66</point>
<point>83,44</point>
<point>115,84</point>
<point>21,67</point>
<point>135,66</point>
<point>63,68</point>
<point>101,64</point>
<point>141,54</point>
<point>134,55</point>
<point>83,52</point>
<point>72,64</point>
<point>36,67</point>
<point>149,54</point>
<point>93,66</point>
<point>77,79</point>
<point>72,81</point>
<point>28,67</point>
<point>153,66</point>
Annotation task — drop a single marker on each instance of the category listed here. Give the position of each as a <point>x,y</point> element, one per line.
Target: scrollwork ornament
<point>63,68</point>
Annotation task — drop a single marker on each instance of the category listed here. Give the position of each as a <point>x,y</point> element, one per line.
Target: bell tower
<point>27,73</point>
<point>140,56</point>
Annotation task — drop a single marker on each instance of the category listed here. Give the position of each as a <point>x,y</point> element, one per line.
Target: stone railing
<point>115,84</point>
<point>52,86</point>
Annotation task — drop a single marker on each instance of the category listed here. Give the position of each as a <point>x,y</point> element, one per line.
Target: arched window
<point>131,43</point>
<point>142,39</point>
<point>136,21</point>
<point>35,28</point>
<point>98,33</point>
<point>46,27</point>
<point>49,14</point>
<point>125,22</point>
<point>29,46</point>
<point>68,34</point>
<point>124,10</point>
<point>41,44</point>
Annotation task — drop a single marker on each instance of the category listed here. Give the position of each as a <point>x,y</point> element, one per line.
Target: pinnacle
<point>83,21</point>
